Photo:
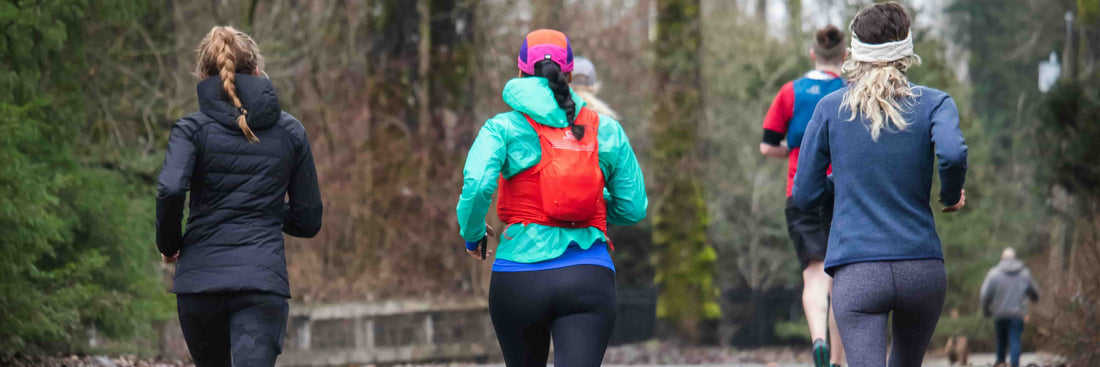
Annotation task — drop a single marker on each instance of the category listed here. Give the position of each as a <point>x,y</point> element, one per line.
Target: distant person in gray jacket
<point>1005,294</point>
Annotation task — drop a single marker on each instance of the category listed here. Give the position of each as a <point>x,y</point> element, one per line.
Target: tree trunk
<point>685,261</point>
<point>794,10</point>
<point>1069,52</point>
<point>424,55</point>
<point>424,80</point>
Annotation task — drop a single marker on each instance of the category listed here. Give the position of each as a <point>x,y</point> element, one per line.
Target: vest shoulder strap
<point>585,117</point>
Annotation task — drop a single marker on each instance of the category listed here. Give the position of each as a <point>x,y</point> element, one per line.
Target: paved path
<point>976,360</point>
<point>987,359</point>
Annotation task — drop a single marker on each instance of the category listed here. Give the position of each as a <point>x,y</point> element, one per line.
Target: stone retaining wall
<point>390,332</point>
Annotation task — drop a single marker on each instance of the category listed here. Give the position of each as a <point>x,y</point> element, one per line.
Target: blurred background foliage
<point>393,92</point>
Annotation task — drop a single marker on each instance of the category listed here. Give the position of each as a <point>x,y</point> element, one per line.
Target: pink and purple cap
<point>545,44</point>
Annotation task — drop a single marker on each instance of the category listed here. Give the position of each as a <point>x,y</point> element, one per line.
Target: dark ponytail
<point>552,72</point>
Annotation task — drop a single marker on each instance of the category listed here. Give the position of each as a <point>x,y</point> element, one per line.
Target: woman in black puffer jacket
<point>241,156</point>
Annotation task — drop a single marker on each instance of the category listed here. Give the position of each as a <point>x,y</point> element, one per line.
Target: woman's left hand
<point>476,253</point>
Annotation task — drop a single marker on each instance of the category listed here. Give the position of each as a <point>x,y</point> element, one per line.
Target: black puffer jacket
<point>238,192</point>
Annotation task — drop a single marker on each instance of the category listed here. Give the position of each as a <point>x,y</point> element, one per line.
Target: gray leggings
<point>865,293</point>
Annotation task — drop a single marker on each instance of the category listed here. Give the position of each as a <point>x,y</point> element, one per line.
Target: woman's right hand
<point>959,205</point>
<point>489,231</point>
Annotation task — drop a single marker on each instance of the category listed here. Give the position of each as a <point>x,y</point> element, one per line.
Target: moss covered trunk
<point>684,260</point>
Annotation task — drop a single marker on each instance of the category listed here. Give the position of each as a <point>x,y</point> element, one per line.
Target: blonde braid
<point>227,70</point>
<point>224,52</point>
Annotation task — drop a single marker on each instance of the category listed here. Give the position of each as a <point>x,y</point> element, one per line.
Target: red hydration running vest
<point>565,189</point>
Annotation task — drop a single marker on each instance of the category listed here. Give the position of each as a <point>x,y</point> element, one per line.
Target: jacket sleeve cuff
<point>471,246</point>
<point>772,137</point>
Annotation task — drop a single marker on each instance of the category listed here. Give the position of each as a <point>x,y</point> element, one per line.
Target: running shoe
<point>821,353</point>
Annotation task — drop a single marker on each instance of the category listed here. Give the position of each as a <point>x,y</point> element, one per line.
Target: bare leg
<point>815,298</point>
<point>836,350</point>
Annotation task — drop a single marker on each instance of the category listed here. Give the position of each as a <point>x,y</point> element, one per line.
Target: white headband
<point>881,52</point>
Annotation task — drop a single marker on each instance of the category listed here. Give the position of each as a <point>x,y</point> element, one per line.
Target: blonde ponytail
<point>225,52</point>
<point>880,92</point>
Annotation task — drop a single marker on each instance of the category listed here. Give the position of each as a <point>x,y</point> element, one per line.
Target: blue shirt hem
<point>598,255</point>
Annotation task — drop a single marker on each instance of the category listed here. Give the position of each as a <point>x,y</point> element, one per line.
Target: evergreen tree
<point>76,250</point>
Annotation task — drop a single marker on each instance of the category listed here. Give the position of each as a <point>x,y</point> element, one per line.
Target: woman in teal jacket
<point>547,279</point>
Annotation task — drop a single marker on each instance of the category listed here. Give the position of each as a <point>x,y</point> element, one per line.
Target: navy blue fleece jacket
<point>882,189</point>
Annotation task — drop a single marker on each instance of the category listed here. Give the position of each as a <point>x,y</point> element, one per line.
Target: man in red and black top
<point>787,118</point>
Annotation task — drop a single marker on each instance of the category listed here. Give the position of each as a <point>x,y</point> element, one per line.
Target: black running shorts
<point>809,231</point>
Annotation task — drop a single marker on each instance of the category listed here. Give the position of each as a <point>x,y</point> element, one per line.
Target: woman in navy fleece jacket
<point>880,134</point>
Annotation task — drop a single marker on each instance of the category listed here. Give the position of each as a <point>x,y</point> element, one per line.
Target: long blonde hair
<point>588,94</point>
<point>225,52</point>
<point>880,91</point>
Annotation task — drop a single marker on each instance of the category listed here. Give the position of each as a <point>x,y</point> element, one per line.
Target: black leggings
<point>864,295</point>
<point>575,304</point>
<point>240,329</point>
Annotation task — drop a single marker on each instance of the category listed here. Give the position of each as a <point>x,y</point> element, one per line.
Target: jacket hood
<point>257,94</point>
<point>532,96</point>
<point>1011,266</point>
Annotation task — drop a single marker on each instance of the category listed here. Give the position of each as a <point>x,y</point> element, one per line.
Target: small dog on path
<point>957,351</point>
